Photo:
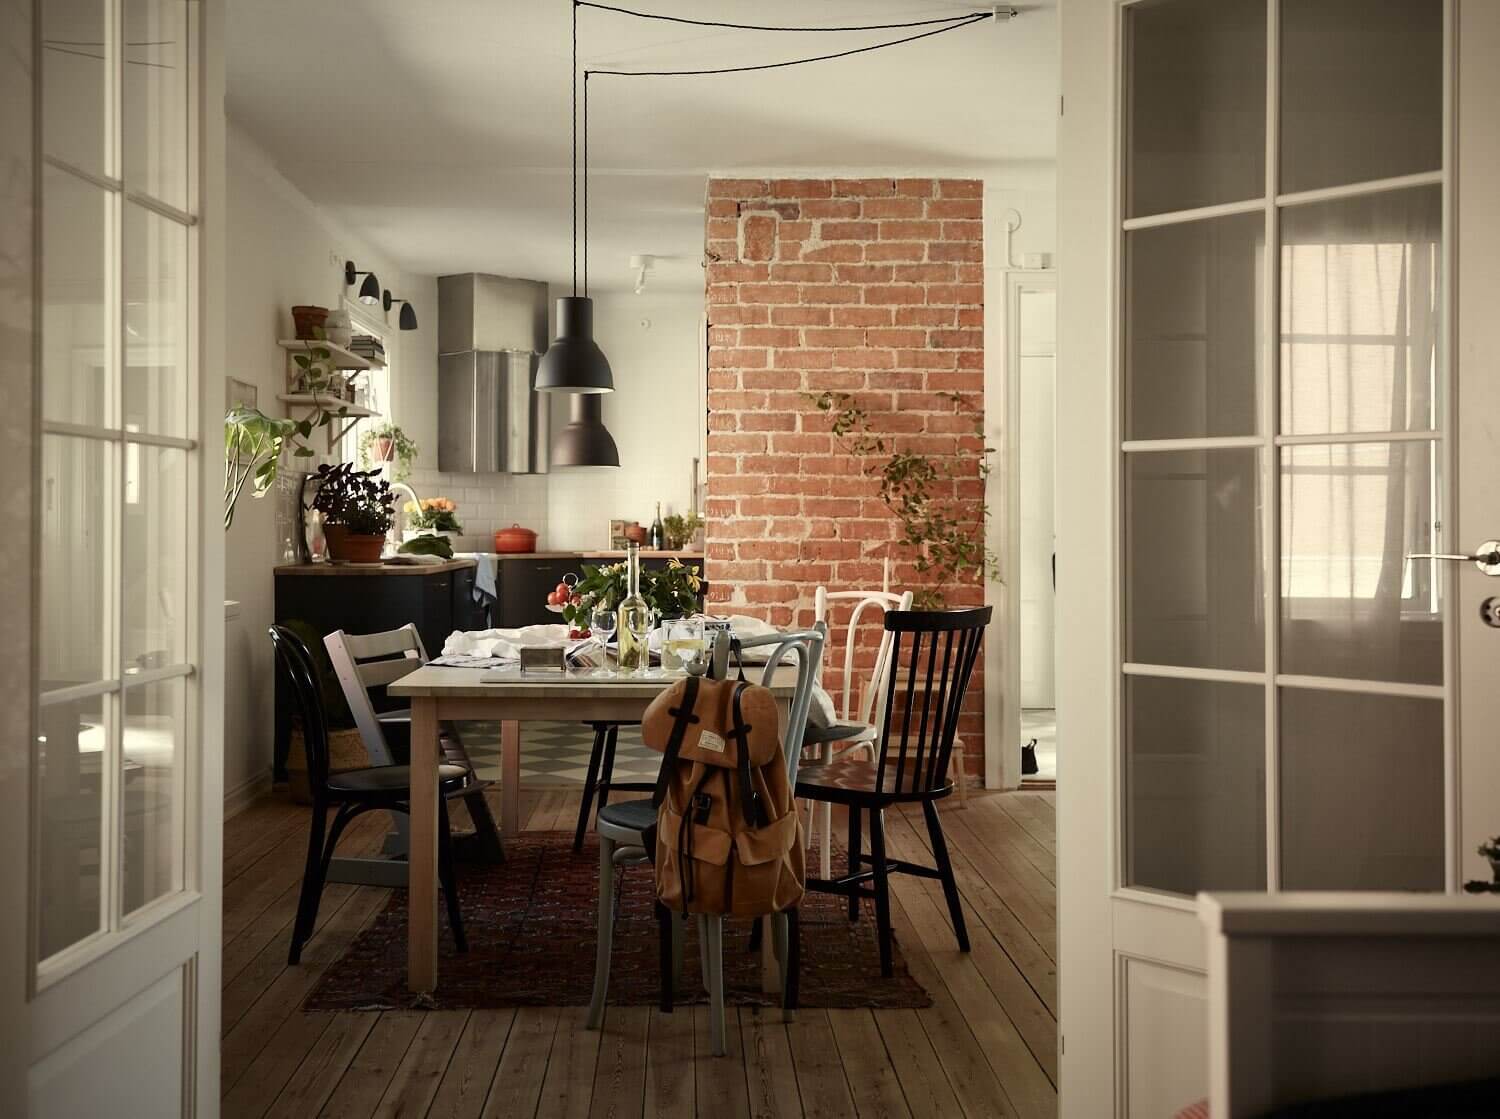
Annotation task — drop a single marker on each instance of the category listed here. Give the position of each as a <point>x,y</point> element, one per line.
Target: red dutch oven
<point>515,540</point>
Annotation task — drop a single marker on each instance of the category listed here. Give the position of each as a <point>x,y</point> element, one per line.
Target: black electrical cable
<point>967,22</point>
<point>772,27</point>
<point>585,182</point>
<point>573,80</point>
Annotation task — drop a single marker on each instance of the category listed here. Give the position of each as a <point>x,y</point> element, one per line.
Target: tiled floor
<point>1041,724</point>
<point>556,755</point>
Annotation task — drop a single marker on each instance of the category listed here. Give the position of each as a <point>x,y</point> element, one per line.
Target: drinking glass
<point>602,623</point>
<point>682,640</point>
<point>641,624</point>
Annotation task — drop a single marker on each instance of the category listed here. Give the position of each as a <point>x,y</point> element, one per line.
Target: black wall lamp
<point>369,291</point>
<point>408,318</point>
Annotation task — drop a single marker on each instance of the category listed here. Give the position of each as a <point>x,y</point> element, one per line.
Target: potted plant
<point>387,443</point>
<point>671,591</point>
<point>1490,849</point>
<point>681,528</point>
<point>357,508</point>
<point>432,516</point>
<point>253,446</point>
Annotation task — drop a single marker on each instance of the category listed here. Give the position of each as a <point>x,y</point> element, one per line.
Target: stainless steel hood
<point>491,330</point>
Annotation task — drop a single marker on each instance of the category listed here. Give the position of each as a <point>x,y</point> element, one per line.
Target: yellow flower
<point>410,507</point>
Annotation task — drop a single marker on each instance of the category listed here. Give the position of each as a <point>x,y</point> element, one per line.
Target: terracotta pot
<point>515,540</point>
<point>635,533</point>
<point>385,449</point>
<point>353,547</point>
<point>308,320</point>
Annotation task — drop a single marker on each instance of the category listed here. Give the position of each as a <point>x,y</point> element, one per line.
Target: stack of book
<point>368,347</point>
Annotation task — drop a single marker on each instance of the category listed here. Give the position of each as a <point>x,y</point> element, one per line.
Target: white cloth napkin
<point>503,644</point>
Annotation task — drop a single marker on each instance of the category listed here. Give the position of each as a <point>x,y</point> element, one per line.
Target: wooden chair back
<point>296,662</point>
<point>869,606</point>
<point>363,661</point>
<point>933,653</point>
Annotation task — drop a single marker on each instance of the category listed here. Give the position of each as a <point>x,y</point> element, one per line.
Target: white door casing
<point>123,1019</point>
<point>1131,962</point>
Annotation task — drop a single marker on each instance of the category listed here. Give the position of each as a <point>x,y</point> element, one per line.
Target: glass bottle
<point>658,531</point>
<point>635,619</point>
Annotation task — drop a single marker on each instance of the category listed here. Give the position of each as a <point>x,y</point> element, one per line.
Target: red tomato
<point>562,591</point>
<point>552,598</point>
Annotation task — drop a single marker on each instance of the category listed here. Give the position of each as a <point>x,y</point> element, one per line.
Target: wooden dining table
<point>445,694</point>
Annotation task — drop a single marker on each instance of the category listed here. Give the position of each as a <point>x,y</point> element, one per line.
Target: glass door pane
<point>1360,279</point>
<point>151,766</point>
<point>77,84</point>
<point>1196,104</point>
<point>1361,90</point>
<point>77,340</point>
<point>1380,760</point>
<point>156,99</point>
<point>1193,590</point>
<point>1193,328</point>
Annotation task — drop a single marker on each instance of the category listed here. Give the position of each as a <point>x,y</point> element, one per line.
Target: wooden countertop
<point>374,568</point>
<point>602,553</point>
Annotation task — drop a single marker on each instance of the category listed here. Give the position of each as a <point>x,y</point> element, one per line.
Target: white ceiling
<point>438,129</point>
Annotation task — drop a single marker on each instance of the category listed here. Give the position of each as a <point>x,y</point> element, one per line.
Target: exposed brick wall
<point>869,286</point>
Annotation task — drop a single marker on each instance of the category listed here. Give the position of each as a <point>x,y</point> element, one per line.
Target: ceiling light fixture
<point>574,362</point>
<point>369,291</point>
<point>640,264</point>
<point>408,317</point>
<point>585,441</point>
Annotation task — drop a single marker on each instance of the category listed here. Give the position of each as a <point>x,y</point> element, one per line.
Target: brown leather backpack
<point>728,837</point>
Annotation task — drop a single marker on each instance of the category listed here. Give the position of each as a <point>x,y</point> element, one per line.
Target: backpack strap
<point>683,717</point>
<point>751,804</point>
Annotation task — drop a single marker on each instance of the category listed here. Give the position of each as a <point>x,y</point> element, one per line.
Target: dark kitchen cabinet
<point>357,599</point>
<point>525,583</point>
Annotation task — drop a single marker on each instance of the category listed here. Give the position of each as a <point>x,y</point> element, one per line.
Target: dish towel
<point>482,647</point>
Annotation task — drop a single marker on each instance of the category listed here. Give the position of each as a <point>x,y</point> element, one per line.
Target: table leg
<point>510,778</point>
<point>770,968</point>
<point>422,920</point>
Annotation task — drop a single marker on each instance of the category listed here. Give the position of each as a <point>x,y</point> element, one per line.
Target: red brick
<point>841,336</point>
<point>802,273</point>
<point>833,208</point>
<point>897,250</point>
<point>768,293</point>
<point>961,188</point>
<point>956,339</point>
<point>800,188</point>
<point>801,316</point>
<point>723,208</point>
<point>738,188</point>
<point>963,231</point>
<point>725,443</point>
<point>757,237</point>
<point>863,273</point>
<point>842,252</point>
<point>793,230</point>
<point>893,208</point>
<point>911,230</point>
<point>772,379</point>
<point>956,293</point>
<point>847,230</point>
<point>916,188</point>
<point>864,358</point>
<point>925,316</point>
<point>722,228</point>
<point>896,293</point>
<point>899,337</point>
<point>864,188</point>
<point>923,273</point>
<point>861,316</point>
<point>736,313</point>
<point>956,251</point>
<point>737,359</point>
<point>768,336</point>
<point>955,208</point>
<point>732,272</point>
<point>804,359</point>
<point>830,293</point>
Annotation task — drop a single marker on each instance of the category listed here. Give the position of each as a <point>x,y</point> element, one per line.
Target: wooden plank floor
<point>986,1047</point>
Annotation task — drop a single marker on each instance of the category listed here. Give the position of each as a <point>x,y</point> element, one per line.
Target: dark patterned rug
<point>530,924</point>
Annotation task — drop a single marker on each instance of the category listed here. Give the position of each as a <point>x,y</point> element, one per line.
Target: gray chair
<point>621,842</point>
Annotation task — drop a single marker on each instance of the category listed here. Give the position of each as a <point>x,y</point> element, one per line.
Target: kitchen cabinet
<point>365,598</point>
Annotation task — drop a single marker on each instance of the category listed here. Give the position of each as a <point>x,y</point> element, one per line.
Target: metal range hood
<point>491,330</point>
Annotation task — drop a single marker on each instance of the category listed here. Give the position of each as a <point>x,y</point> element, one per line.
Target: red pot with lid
<point>515,540</point>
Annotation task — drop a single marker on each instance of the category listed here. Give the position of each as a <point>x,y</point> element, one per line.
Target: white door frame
<point>70,1023</point>
<point>1103,927</point>
<point>1002,655</point>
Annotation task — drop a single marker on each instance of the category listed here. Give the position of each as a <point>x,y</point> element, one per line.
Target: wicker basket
<point>346,750</point>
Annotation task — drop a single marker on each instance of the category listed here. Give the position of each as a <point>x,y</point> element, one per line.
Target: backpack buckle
<point>702,806</point>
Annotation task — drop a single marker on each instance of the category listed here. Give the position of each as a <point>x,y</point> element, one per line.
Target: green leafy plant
<point>670,591</point>
<point>427,546</point>
<point>360,500</point>
<point>681,528</point>
<point>254,444</point>
<point>437,514</point>
<point>942,530</point>
<point>316,372</point>
<point>1490,848</point>
<point>388,443</point>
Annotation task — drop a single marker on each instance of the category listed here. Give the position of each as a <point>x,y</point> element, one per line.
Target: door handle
<point>1486,557</point>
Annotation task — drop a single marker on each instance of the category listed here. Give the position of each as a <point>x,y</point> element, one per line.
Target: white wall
<point>282,251</point>
<point>656,414</point>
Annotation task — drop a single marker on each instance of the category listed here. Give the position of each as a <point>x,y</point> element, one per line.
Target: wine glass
<point>602,623</point>
<point>641,624</point>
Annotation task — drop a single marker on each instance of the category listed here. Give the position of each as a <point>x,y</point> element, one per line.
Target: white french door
<point>1259,683</point>
<point>123,800</point>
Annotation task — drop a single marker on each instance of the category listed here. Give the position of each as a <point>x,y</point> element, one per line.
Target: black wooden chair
<point>353,792</point>
<point>600,779</point>
<point>932,658</point>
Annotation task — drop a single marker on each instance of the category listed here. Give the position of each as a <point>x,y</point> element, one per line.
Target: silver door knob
<point>1486,557</point>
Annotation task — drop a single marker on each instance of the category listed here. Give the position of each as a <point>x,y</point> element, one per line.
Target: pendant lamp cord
<point>573,79</point>
<point>949,23</point>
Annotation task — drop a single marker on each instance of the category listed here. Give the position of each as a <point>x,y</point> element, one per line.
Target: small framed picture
<point>617,540</point>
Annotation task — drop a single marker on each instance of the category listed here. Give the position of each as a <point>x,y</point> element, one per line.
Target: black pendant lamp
<point>574,362</point>
<point>585,441</point>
